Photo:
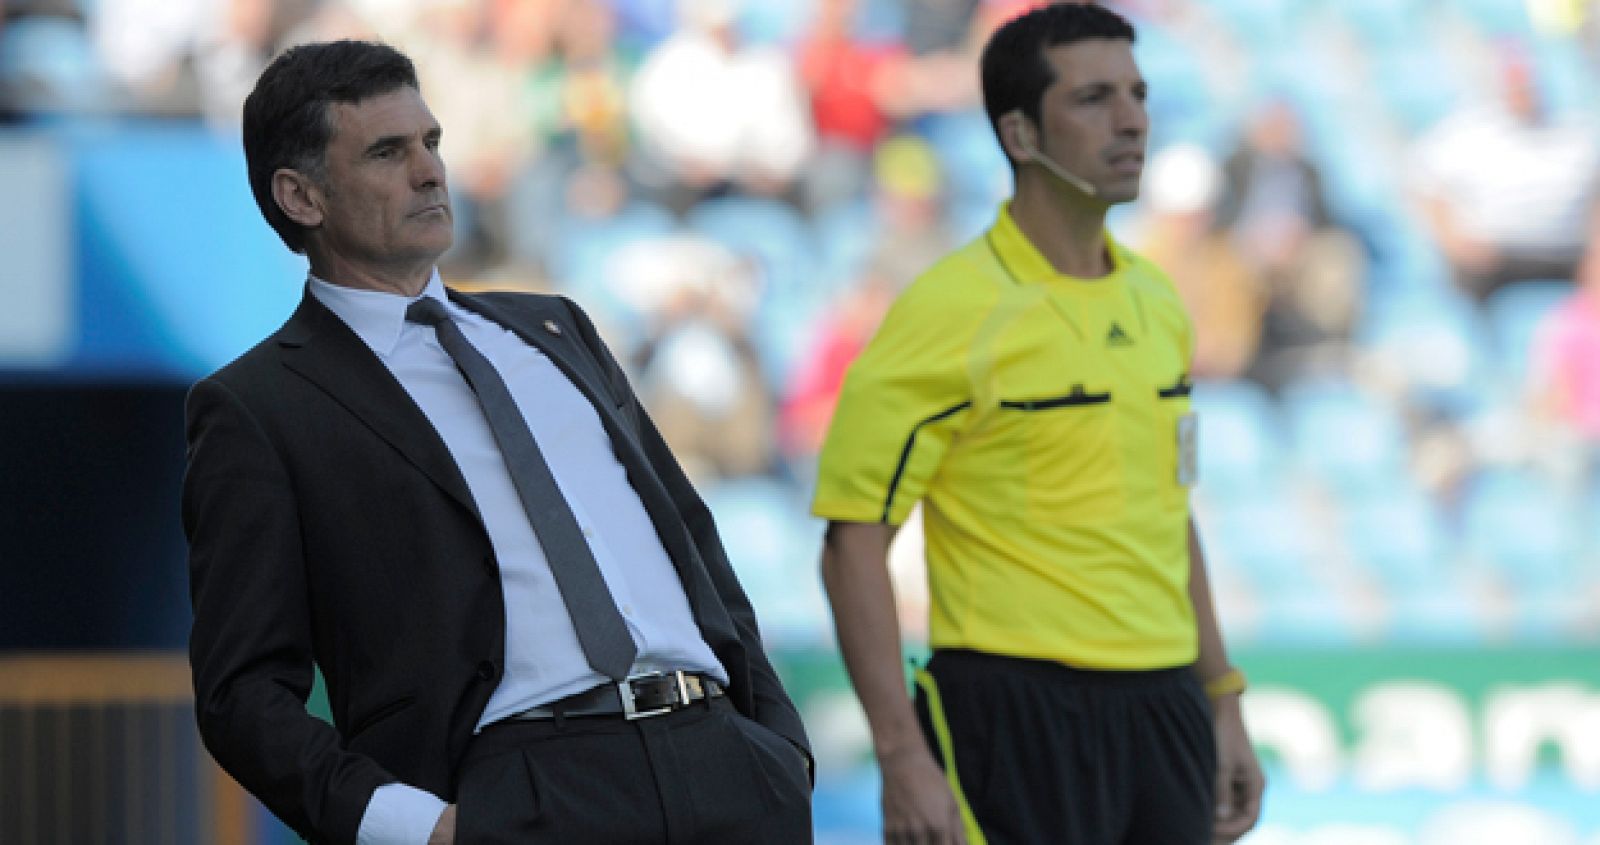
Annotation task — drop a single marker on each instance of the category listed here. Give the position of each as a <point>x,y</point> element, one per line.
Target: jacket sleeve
<point>250,647</point>
<point>773,707</point>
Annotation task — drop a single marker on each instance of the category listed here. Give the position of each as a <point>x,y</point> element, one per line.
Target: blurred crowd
<point>1381,213</point>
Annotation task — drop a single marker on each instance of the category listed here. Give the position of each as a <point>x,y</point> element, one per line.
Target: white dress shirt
<point>543,660</point>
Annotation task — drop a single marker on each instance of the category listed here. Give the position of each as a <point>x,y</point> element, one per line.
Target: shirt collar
<point>376,316</point>
<point>1024,261</point>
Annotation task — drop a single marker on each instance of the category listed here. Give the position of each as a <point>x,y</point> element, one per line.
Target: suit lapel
<point>557,341</point>
<point>323,350</point>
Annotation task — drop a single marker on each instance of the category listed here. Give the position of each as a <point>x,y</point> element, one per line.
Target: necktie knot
<point>427,311</point>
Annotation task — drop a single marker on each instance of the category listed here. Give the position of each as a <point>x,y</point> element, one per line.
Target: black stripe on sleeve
<point>905,455</point>
<point>1183,388</point>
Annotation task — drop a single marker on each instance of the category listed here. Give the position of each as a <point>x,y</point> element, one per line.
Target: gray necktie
<point>603,635</point>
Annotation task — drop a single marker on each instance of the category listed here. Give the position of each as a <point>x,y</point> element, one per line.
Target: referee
<point>1032,390</point>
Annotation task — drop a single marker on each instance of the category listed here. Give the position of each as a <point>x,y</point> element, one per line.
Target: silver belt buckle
<point>625,690</point>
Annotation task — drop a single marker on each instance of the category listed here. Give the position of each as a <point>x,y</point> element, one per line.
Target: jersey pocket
<point>1072,465</point>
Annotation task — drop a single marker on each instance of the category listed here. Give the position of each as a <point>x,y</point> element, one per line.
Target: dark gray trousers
<point>703,774</point>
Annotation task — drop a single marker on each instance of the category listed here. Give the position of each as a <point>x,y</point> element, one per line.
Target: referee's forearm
<point>855,572</point>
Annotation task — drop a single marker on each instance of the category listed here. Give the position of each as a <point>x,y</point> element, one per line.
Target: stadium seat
<point>782,244</point>
<point>773,545</point>
<point>974,167</point>
<point>48,65</point>
<point>1240,438</point>
<point>1271,543</point>
<point>767,231</point>
<point>1268,540</point>
<point>1514,313</point>
<point>845,237</point>
<point>1496,18</point>
<point>1397,537</point>
<point>1182,108</point>
<point>579,254</point>
<point>1436,341</point>
<point>1524,528</point>
<point>1383,24</point>
<point>1345,439</point>
<point>1415,93</point>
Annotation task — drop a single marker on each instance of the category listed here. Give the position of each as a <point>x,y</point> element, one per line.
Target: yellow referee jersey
<point>1038,417</point>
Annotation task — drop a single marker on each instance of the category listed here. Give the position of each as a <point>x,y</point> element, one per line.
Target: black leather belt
<point>638,697</point>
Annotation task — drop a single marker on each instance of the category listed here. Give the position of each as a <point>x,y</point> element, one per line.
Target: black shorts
<point>1046,754</point>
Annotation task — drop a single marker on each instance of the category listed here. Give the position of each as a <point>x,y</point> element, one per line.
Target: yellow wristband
<point>1227,683</point>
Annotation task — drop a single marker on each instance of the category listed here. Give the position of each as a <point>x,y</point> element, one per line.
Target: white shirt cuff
<point>399,815</point>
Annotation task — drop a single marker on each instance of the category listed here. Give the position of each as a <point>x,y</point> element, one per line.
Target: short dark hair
<point>287,119</point>
<point>1015,71</point>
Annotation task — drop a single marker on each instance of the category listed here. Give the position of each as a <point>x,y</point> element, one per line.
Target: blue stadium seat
<point>845,235</point>
<point>1397,537</point>
<point>1438,342</point>
<point>1383,24</point>
<point>975,169</point>
<point>773,545</point>
<point>1182,108</point>
<point>1343,438</point>
<point>1565,75</point>
<point>1496,17</point>
<point>50,62</point>
<point>782,244</point>
<point>1524,528</point>
<point>1268,540</point>
<point>1529,536</point>
<point>1259,25</point>
<point>1240,441</point>
<point>770,232</point>
<point>1514,314</point>
<point>579,253</point>
<point>1414,92</point>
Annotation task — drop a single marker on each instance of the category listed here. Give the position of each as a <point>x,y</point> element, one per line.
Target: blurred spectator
<point>481,55</point>
<point>908,202</point>
<point>147,48</point>
<point>47,62</point>
<point>910,236</point>
<point>1221,291</point>
<point>1504,185</point>
<point>1566,352</point>
<point>944,38</point>
<point>856,89</point>
<point>698,371</point>
<point>1276,215</point>
<point>713,113</point>
<point>850,81</point>
<point>938,26</point>
<point>577,96</point>
<point>581,91</point>
<point>839,337</point>
<point>236,41</point>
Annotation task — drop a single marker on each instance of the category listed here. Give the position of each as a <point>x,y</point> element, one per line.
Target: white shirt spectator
<point>704,108</point>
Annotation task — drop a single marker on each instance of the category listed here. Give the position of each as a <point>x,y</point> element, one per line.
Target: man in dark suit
<point>455,507</point>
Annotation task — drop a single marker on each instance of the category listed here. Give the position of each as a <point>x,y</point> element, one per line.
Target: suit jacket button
<point>486,670</point>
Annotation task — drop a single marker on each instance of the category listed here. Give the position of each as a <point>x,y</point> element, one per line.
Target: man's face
<point>384,199</point>
<point>1093,119</point>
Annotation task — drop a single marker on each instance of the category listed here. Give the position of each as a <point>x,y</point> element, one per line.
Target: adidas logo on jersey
<point>1118,337</point>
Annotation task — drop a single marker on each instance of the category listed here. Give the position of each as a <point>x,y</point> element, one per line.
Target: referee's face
<point>1093,118</point>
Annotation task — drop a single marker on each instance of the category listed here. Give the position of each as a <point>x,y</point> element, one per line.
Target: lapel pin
<point>551,327</point>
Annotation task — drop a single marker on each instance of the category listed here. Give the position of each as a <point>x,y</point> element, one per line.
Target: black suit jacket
<point>327,522</point>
